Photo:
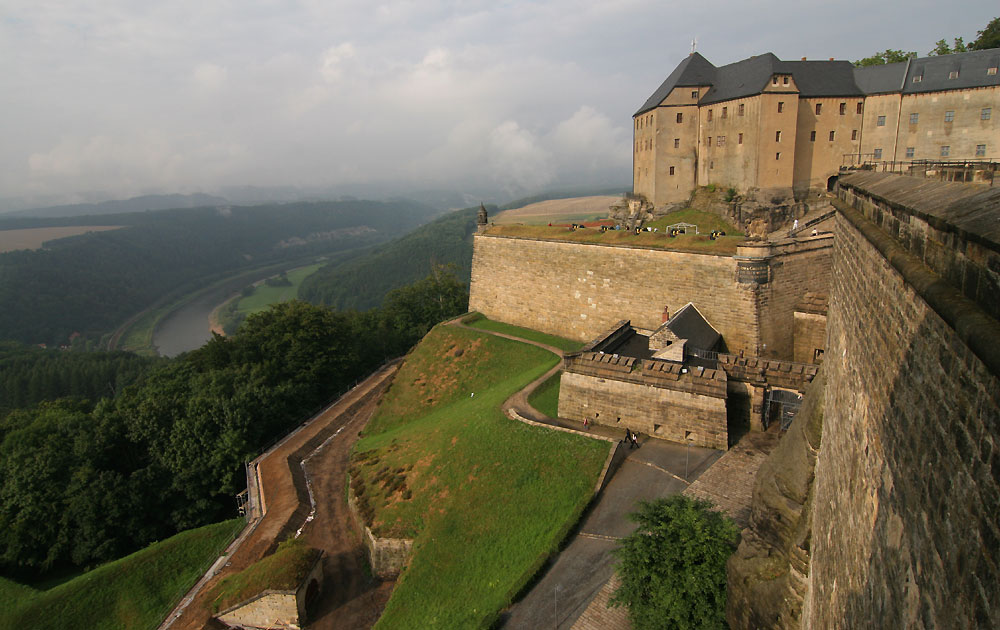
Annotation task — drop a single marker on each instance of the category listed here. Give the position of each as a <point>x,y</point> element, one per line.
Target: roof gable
<point>695,70</point>
<point>688,323</point>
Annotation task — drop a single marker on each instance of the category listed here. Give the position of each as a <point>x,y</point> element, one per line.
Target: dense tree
<point>989,37</point>
<point>888,56</point>
<point>673,566</point>
<point>941,47</point>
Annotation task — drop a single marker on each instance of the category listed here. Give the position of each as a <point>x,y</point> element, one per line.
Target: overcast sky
<point>114,98</point>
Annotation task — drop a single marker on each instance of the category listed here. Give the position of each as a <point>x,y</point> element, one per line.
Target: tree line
<point>987,38</point>
<point>86,481</point>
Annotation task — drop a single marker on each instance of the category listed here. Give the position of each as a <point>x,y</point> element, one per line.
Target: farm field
<point>486,498</point>
<point>558,210</point>
<point>235,310</point>
<point>135,592</point>
<point>33,238</point>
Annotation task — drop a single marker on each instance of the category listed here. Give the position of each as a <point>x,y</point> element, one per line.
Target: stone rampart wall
<point>907,481</point>
<point>796,269</point>
<point>581,290</point>
<point>271,609</point>
<point>388,556</point>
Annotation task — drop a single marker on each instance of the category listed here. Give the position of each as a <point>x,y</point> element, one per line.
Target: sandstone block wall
<point>387,556</point>
<point>273,609</point>
<point>581,290</point>
<point>905,531</point>
<point>809,335</point>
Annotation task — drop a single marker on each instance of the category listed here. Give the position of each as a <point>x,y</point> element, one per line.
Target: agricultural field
<point>558,211</point>
<point>33,238</point>
<point>135,592</point>
<point>486,498</point>
<point>229,315</point>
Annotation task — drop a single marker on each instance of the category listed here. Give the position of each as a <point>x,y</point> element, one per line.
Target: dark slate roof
<point>823,78</point>
<point>971,67</point>
<point>742,78</point>
<point>881,79</point>
<point>694,71</point>
<point>688,323</point>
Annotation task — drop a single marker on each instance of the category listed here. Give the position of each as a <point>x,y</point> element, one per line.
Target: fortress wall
<point>907,481</point>
<point>802,267</point>
<point>581,290</point>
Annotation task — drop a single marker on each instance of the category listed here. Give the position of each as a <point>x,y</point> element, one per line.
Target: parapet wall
<point>907,481</point>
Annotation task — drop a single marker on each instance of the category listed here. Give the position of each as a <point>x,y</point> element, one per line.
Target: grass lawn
<point>486,498</point>
<point>697,243</point>
<point>136,591</point>
<point>477,320</point>
<point>546,397</point>
<point>707,222</point>
<point>283,570</point>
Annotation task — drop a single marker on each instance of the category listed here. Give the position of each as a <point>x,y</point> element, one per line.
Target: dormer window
<point>694,93</point>
<point>953,74</point>
<point>774,80</point>
<point>918,78</point>
<point>992,70</point>
<point>784,80</point>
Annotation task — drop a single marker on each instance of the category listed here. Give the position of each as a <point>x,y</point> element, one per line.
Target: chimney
<point>803,59</point>
<point>831,58</point>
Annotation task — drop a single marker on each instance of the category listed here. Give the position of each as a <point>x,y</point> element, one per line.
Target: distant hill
<point>135,204</point>
<point>361,283</point>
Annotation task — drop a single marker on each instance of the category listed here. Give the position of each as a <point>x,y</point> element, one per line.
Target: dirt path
<point>348,601</point>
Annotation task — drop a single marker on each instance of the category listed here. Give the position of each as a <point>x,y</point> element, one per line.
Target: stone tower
<point>481,218</point>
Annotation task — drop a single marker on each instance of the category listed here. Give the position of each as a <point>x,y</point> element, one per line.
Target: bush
<point>673,567</point>
<point>730,194</point>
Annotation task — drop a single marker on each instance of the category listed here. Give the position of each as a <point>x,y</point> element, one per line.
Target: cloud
<point>334,61</point>
<point>209,76</point>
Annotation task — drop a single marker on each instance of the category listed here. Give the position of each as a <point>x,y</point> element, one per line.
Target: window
<point>881,121</point>
<point>680,117</point>
<point>918,78</point>
<point>721,141</point>
<point>877,154</point>
<point>784,80</point>
<point>980,150</point>
<point>774,80</point>
<point>953,74</point>
<point>812,136</point>
<point>914,117</point>
<point>694,93</point>
<point>777,155</point>
<point>819,108</point>
<point>741,108</point>
<point>725,112</point>
<point>986,113</point>
<point>832,135</point>
<point>949,115</point>
<point>854,134</point>
<point>709,115</point>
<point>677,143</point>
<point>671,170</point>
<point>909,152</point>
<point>945,150</point>
<point>740,139</point>
<point>781,106</point>
<point>992,70</point>
<point>710,141</point>
<point>711,164</point>
<point>843,109</point>
<point>777,136</point>
<point>859,107</point>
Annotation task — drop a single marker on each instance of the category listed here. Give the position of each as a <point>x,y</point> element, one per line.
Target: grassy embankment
<point>234,311</point>
<point>545,398</point>
<point>701,243</point>
<point>136,591</point>
<point>486,498</point>
<point>477,320</point>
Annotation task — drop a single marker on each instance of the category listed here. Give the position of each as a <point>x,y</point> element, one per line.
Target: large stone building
<point>781,128</point>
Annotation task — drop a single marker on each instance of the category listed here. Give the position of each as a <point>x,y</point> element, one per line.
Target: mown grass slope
<point>477,320</point>
<point>486,498</point>
<point>134,592</point>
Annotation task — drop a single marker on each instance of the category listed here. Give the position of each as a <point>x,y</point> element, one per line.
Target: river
<point>188,328</point>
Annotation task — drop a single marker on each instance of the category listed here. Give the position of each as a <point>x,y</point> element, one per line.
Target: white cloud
<point>334,61</point>
<point>209,76</point>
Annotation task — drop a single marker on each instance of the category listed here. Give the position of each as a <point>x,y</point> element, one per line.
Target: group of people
<point>631,439</point>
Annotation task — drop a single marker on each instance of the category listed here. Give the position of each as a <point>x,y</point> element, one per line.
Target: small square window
<point>781,106</point>
<point>741,109</point>
<point>680,117</point>
<point>671,170</point>
<point>677,143</point>
<point>819,108</point>
<point>843,108</point>
<point>740,139</point>
<point>854,134</point>
<point>880,122</point>
<point>860,106</point>
<point>777,155</point>
<point>909,152</point>
<point>777,136</point>
<point>986,113</point>
<point>725,112</point>
<point>877,154</point>
<point>992,70</point>
<point>918,78</point>
<point>812,136</point>
<point>980,150</point>
<point>914,117</point>
<point>784,80</point>
<point>953,74</point>
<point>945,150</point>
<point>709,115</point>
<point>774,80</point>
<point>832,135</point>
<point>694,93</point>
<point>949,115</point>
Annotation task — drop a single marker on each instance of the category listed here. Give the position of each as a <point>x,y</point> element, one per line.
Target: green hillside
<point>487,498</point>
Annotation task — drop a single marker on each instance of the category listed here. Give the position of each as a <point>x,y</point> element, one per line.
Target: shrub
<point>673,567</point>
<point>730,194</point>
